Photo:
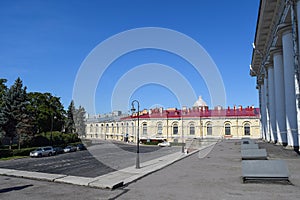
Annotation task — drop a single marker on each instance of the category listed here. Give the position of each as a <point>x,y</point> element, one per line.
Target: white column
<point>279,97</point>
<point>260,107</point>
<point>289,83</point>
<point>271,97</point>
<point>263,111</point>
<point>266,103</point>
<point>297,89</point>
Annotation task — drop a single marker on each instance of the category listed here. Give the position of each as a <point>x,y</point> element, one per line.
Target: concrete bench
<point>254,154</point>
<point>247,141</point>
<point>249,146</point>
<point>264,170</point>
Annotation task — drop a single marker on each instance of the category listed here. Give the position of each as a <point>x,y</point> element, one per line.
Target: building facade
<point>176,125</point>
<point>275,64</point>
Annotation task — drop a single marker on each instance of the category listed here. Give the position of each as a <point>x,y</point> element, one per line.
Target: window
<point>175,129</point>
<point>112,128</point>
<point>122,128</point>
<point>192,129</point>
<point>227,129</point>
<point>247,129</point>
<point>97,128</point>
<point>132,128</point>
<point>118,129</point>
<point>101,128</point>
<point>91,128</point>
<point>144,128</point>
<point>106,128</point>
<point>159,128</point>
<point>209,129</point>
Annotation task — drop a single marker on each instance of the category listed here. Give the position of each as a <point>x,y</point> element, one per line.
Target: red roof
<point>197,113</point>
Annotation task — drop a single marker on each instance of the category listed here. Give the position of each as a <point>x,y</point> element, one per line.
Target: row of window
<point>209,128</point>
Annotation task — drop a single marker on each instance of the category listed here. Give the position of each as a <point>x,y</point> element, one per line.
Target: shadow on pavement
<point>5,190</point>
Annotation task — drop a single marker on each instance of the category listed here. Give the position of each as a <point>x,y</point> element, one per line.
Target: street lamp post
<point>51,134</point>
<point>167,124</point>
<point>137,163</point>
<point>182,138</point>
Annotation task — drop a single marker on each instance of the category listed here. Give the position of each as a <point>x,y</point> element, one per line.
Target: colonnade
<point>277,87</point>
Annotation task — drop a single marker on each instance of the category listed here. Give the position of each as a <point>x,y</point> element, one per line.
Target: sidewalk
<point>216,176</point>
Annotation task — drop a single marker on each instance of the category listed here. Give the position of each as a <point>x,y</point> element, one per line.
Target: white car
<point>70,149</point>
<point>164,144</point>
<point>42,151</point>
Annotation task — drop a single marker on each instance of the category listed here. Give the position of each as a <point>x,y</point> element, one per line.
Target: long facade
<point>179,125</point>
<point>275,64</point>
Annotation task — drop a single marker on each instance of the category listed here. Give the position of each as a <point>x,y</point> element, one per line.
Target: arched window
<point>91,128</point>
<point>102,128</point>
<point>209,128</point>
<point>132,128</point>
<point>112,128</point>
<point>106,128</point>
<point>122,128</point>
<point>118,129</point>
<point>97,128</point>
<point>144,128</point>
<point>159,128</point>
<point>175,129</point>
<point>246,129</point>
<point>192,129</point>
<point>227,129</point>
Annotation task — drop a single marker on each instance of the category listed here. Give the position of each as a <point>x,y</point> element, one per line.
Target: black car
<point>81,147</point>
<point>58,150</point>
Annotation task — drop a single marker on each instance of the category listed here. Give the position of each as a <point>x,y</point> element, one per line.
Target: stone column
<point>289,83</point>
<point>259,87</point>
<point>266,104</point>
<point>297,82</point>
<point>271,97</point>
<point>263,111</point>
<point>279,96</point>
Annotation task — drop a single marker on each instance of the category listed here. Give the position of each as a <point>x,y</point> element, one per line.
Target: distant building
<point>177,125</point>
<point>275,64</point>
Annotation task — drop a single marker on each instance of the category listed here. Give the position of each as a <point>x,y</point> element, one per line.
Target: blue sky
<point>46,41</point>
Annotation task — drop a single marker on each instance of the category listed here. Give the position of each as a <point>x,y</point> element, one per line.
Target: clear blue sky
<point>45,42</point>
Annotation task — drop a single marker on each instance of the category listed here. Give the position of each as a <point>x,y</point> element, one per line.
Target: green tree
<point>3,90</point>
<point>70,124</point>
<point>47,111</point>
<point>14,118</point>
<point>79,119</point>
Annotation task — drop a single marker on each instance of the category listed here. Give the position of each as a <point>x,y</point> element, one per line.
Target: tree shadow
<point>5,190</point>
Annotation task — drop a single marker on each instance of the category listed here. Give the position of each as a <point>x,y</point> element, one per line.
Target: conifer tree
<point>79,119</point>
<point>14,118</point>
<point>3,90</point>
<point>70,124</point>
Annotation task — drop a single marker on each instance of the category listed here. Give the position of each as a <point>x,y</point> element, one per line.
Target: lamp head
<point>132,108</point>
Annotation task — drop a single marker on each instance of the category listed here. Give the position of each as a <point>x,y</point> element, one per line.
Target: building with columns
<point>176,125</point>
<point>275,64</point>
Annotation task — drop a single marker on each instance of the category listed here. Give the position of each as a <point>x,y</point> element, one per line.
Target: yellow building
<point>178,125</point>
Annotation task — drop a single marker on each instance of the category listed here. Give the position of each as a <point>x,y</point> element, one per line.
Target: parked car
<point>42,151</point>
<point>58,150</point>
<point>81,147</point>
<point>164,144</point>
<point>70,149</point>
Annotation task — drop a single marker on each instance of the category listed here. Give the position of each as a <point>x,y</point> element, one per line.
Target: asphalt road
<point>101,158</point>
